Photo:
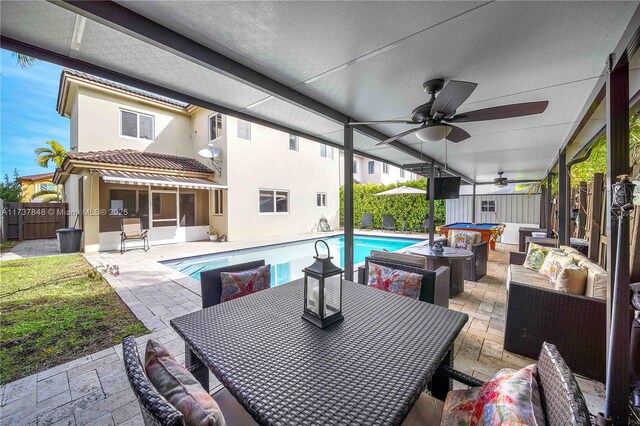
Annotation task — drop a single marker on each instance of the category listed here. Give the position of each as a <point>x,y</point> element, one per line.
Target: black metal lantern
<point>322,290</point>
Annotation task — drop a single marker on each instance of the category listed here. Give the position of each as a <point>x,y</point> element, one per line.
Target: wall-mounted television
<point>445,188</point>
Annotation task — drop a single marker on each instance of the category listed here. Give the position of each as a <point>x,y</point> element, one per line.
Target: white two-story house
<point>366,170</point>
<point>134,154</point>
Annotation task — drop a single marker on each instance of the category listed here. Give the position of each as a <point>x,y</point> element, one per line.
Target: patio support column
<point>473,205</point>
<point>543,207</point>
<point>549,207</point>
<point>432,192</point>
<point>348,202</point>
<point>563,198</point>
<point>617,100</point>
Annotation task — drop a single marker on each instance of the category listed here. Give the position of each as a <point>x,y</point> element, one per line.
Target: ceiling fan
<point>435,117</point>
<point>500,181</point>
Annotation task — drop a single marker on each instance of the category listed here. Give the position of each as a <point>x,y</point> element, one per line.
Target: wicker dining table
<point>366,370</point>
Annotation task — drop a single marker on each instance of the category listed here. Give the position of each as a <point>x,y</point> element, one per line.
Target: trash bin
<point>69,239</point>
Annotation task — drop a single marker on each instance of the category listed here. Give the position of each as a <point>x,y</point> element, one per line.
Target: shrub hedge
<point>416,207</point>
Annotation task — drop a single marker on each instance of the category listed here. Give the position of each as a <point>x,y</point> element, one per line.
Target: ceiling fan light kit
<point>433,133</point>
<point>436,116</point>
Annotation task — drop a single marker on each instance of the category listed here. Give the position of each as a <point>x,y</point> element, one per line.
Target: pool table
<point>490,231</point>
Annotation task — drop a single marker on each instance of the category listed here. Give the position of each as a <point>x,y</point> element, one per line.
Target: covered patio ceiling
<point>309,67</point>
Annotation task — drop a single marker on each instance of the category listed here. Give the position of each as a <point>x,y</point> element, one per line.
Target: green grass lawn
<point>55,309</point>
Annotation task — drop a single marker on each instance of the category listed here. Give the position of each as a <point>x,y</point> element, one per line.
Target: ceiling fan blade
<point>452,95</point>
<point>457,134</point>
<point>503,111</point>
<point>399,135</point>
<point>363,123</point>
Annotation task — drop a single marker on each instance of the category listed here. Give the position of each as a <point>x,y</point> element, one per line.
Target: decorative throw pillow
<point>178,386</point>
<point>535,256</point>
<point>463,239</point>
<point>572,279</point>
<point>510,397</point>
<point>394,281</point>
<point>549,260</point>
<point>238,284</point>
<point>558,264</point>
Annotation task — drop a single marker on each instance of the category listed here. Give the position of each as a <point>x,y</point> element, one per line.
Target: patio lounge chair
<point>367,221</point>
<point>156,410</point>
<point>562,400</point>
<point>435,284</point>
<point>211,283</point>
<point>388,222</point>
<point>131,229</point>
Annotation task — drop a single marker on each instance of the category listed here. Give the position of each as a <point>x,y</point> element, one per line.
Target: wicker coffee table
<point>367,370</point>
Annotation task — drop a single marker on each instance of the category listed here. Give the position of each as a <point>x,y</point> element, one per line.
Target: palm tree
<point>24,61</point>
<point>55,152</point>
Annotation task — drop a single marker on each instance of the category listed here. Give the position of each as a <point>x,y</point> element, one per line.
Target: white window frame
<point>326,151</point>
<point>217,135</point>
<point>488,206</point>
<point>238,129</point>
<point>385,168</point>
<point>297,143</point>
<point>323,198</point>
<point>218,202</point>
<point>273,194</point>
<point>138,114</point>
<point>53,186</point>
<point>371,167</point>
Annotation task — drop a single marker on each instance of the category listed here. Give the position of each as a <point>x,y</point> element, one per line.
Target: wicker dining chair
<point>131,229</point>
<point>211,282</point>
<point>561,398</point>
<point>156,411</point>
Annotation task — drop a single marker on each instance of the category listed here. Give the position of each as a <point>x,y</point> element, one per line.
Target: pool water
<point>288,259</point>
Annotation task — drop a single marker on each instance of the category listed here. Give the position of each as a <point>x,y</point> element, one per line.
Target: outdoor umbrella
<point>402,191</point>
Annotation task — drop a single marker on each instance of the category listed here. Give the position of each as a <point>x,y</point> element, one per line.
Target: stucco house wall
<point>98,124</point>
<point>266,162</point>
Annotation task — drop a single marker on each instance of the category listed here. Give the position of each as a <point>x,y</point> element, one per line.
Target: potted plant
<point>213,235</point>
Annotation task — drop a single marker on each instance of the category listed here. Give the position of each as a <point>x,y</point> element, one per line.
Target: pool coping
<point>421,242</point>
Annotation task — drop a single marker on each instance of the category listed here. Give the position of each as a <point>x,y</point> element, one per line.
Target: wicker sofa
<point>576,325</point>
<point>435,284</point>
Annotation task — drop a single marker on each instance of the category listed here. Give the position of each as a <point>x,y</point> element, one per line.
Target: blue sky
<point>28,113</point>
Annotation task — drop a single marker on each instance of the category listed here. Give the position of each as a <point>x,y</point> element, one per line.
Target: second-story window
<point>355,167</point>
<point>244,130</point>
<point>136,125</point>
<point>326,151</point>
<point>401,173</point>
<point>372,167</point>
<point>215,126</point>
<point>47,187</point>
<point>385,168</point>
<point>293,143</point>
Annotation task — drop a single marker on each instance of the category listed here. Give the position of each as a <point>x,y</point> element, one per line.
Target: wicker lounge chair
<point>367,221</point>
<point>388,222</point>
<point>211,283</point>
<point>156,410</point>
<point>131,229</point>
<point>562,400</point>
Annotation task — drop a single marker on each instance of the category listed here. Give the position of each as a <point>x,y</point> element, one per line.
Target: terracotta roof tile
<point>130,157</point>
<point>128,89</point>
<point>36,176</point>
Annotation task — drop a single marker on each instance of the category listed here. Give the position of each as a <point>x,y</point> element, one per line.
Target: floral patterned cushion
<point>463,239</point>
<point>509,398</point>
<point>536,255</point>
<point>238,284</point>
<point>553,264</point>
<point>394,281</point>
<point>178,386</point>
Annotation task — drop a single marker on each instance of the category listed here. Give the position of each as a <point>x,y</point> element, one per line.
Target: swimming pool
<point>288,259</point>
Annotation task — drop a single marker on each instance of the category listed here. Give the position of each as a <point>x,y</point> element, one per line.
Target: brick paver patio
<point>94,389</point>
